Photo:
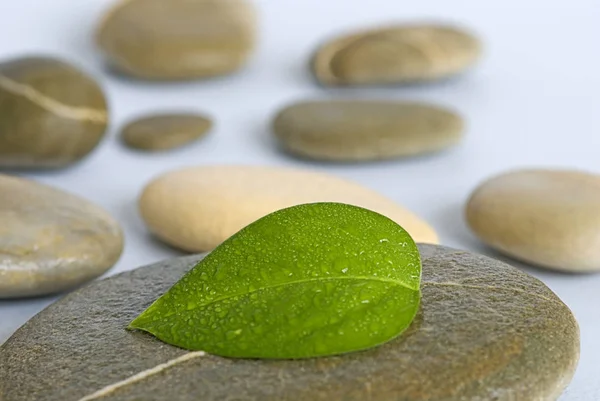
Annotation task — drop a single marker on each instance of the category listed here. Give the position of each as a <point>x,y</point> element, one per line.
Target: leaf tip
<point>136,324</point>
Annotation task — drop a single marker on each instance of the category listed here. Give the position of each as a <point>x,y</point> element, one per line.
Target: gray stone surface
<point>486,331</point>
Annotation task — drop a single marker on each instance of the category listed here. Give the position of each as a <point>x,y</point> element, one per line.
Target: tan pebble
<point>178,39</point>
<point>548,218</point>
<point>198,208</point>
<point>365,130</point>
<point>165,131</point>
<point>396,55</point>
<point>50,240</point>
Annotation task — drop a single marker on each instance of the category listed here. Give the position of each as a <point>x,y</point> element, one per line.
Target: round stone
<point>547,218</point>
<point>53,114</point>
<point>197,208</point>
<point>485,331</point>
<point>50,240</point>
<point>178,39</point>
<point>346,130</point>
<point>165,131</point>
<point>396,55</point>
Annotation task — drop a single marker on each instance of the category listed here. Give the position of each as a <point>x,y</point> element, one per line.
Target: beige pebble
<point>178,39</point>
<point>50,240</point>
<point>400,54</point>
<point>197,208</point>
<point>549,218</point>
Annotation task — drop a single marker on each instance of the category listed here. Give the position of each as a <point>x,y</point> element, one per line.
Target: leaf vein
<point>309,280</point>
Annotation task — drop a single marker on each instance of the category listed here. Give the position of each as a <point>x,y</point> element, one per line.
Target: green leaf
<point>311,280</point>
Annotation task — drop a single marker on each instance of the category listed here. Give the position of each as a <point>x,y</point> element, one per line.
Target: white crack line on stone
<point>103,392</point>
<point>52,105</point>
<point>485,287</point>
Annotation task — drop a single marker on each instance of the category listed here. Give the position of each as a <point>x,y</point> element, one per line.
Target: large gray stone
<point>486,331</point>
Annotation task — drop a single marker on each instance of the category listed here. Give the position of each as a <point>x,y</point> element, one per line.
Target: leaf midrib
<point>308,280</point>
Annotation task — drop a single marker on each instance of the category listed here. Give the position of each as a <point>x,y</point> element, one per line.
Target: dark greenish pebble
<point>165,131</point>
<point>363,130</point>
<point>486,331</point>
<point>400,54</point>
<point>50,240</point>
<point>51,113</point>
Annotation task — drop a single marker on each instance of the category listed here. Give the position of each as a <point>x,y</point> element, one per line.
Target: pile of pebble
<point>487,330</point>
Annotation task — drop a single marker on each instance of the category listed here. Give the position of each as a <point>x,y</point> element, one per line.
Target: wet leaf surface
<point>311,280</point>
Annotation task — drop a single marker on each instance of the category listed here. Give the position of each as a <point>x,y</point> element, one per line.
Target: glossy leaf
<point>311,280</point>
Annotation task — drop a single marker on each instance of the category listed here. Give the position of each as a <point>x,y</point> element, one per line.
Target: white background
<point>534,100</point>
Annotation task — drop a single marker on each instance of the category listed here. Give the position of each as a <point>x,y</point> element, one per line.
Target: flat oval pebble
<point>50,240</point>
<point>165,131</point>
<point>485,331</point>
<point>396,55</point>
<point>362,130</point>
<point>53,114</point>
<point>197,208</point>
<point>178,39</point>
<point>548,218</point>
